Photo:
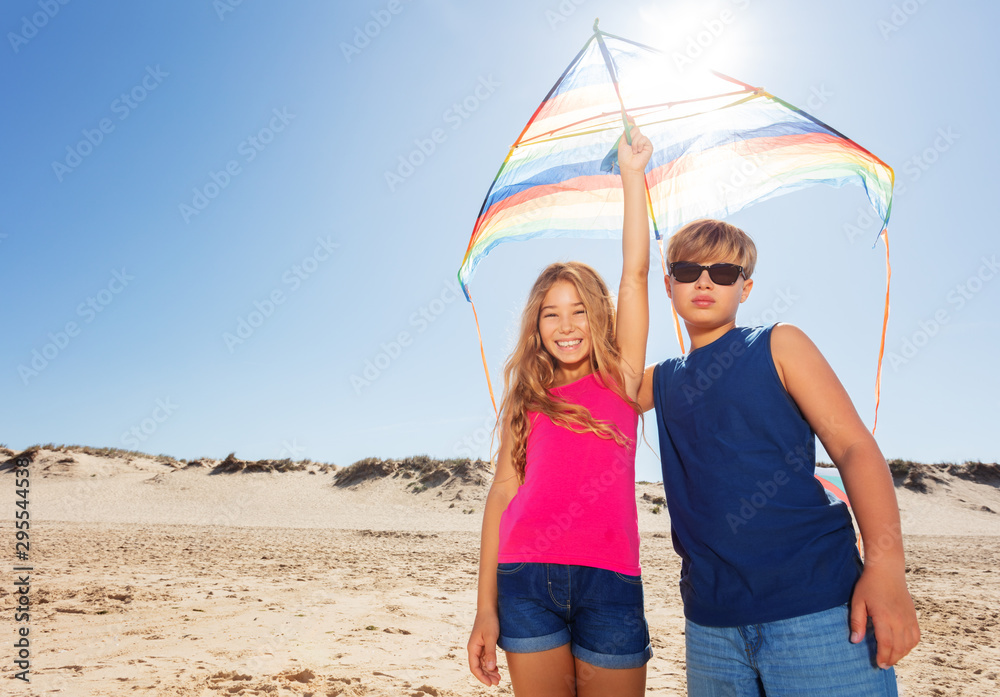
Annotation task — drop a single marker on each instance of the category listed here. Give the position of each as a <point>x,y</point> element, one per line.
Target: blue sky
<point>208,237</point>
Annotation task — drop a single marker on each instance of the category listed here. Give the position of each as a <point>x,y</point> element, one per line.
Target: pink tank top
<point>577,503</point>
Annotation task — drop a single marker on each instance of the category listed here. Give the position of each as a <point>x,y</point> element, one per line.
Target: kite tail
<point>482,352</point>
<point>489,383</point>
<point>666,282</point>
<point>885,324</point>
<point>666,286</point>
<point>677,325</point>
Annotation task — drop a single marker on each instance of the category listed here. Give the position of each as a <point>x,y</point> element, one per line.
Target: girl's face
<point>564,329</point>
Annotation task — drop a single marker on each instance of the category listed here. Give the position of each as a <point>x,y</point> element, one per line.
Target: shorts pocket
<point>509,568</point>
<point>634,580</point>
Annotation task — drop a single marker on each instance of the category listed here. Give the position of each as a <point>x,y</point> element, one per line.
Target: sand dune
<point>222,577</point>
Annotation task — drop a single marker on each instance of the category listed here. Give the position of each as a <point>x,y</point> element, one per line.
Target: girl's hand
<point>483,648</point>
<point>634,158</point>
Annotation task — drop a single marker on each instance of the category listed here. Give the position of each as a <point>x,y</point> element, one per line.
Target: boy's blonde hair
<point>706,239</point>
<point>530,370</point>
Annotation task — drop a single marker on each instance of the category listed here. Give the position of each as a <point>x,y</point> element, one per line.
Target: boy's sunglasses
<point>689,272</point>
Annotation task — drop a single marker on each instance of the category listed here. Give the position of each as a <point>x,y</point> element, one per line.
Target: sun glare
<point>697,37</point>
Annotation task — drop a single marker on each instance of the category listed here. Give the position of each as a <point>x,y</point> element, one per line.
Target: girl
<point>559,584</point>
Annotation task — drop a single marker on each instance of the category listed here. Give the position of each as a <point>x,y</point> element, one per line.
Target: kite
<point>720,145</point>
<point>833,485</point>
<point>832,482</point>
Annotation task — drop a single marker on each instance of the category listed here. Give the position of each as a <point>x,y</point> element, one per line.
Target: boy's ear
<point>747,285</point>
<point>666,282</point>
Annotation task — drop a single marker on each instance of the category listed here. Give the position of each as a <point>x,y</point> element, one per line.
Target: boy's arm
<point>486,629</point>
<point>881,592</point>
<point>632,326</point>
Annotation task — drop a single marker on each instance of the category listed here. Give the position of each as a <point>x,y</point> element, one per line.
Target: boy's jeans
<point>806,655</point>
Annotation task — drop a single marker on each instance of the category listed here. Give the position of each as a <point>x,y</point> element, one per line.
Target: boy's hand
<point>634,157</point>
<point>883,597</point>
<point>483,649</point>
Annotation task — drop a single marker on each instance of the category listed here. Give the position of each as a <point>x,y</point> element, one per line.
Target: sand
<point>155,578</point>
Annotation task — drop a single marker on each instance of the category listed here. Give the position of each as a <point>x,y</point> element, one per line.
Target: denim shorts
<point>806,655</point>
<point>599,612</point>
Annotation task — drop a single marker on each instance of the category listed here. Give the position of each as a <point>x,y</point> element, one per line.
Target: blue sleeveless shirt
<point>759,539</point>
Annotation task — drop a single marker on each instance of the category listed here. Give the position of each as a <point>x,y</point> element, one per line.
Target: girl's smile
<point>565,331</point>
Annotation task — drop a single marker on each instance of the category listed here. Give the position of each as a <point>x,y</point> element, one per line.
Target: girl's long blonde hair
<point>530,370</point>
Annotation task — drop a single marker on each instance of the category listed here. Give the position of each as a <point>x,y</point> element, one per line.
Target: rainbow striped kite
<point>719,146</point>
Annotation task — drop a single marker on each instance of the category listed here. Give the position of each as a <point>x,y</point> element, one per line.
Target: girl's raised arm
<point>633,296</point>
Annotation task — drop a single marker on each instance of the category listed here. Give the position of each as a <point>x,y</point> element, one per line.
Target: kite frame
<point>752,92</point>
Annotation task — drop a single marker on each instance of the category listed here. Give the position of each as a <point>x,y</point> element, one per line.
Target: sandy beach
<point>152,576</point>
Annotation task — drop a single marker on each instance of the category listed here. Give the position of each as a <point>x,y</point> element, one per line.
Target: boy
<point>776,598</point>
